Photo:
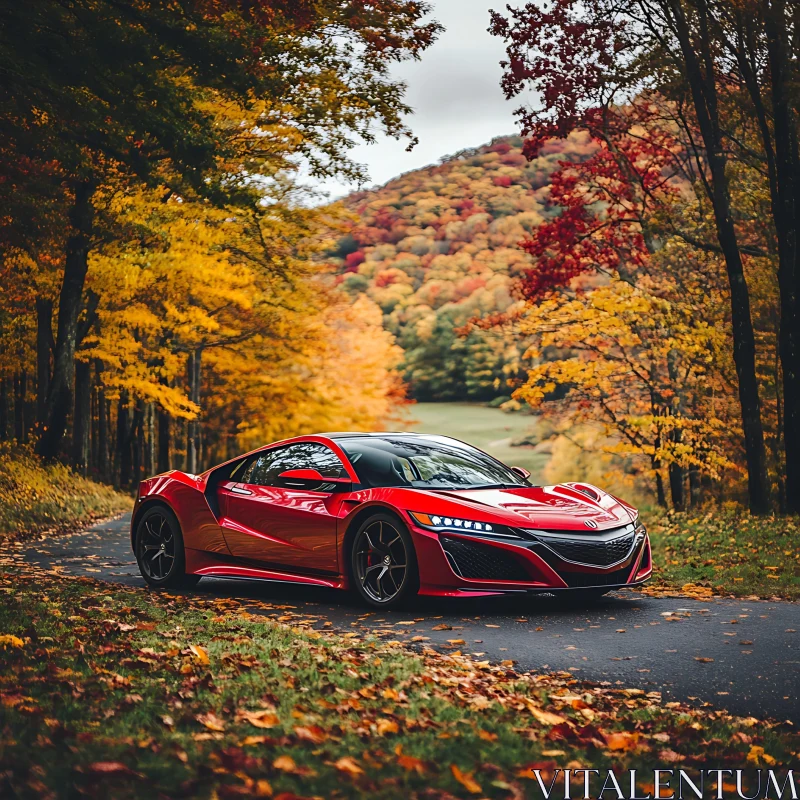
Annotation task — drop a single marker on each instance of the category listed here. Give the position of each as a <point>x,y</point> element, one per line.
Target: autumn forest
<point>623,268</point>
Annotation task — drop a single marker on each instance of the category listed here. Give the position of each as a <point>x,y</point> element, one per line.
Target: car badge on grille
<point>590,523</point>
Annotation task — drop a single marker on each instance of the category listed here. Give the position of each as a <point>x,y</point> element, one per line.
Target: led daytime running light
<point>452,523</point>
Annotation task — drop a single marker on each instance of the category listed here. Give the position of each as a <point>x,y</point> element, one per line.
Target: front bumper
<point>454,564</point>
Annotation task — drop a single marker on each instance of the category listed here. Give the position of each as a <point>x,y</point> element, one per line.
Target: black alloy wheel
<point>159,549</point>
<point>383,562</point>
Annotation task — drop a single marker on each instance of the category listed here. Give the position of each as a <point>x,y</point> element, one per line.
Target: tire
<point>160,552</point>
<point>377,580</point>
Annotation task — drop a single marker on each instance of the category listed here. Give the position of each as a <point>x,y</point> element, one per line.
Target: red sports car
<point>390,515</point>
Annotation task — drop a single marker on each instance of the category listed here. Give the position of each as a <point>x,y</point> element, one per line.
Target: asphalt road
<point>636,640</point>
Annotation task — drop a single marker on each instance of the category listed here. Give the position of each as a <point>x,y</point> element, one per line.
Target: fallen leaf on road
<point>211,721</point>
<point>110,768</point>
<point>622,740</point>
<point>259,719</point>
<point>284,764</point>
<point>348,765</point>
<point>703,659</point>
<point>546,717</point>
<point>757,756</point>
<point>409,763</point>
<point>466,780</point>
<point>311,733</point>
<point>199,653</point>
<point>385,726</point>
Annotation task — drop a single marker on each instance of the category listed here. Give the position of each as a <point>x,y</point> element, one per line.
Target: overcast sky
<point>454,91</point>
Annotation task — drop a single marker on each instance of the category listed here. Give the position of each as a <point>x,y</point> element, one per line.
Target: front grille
<point>598,554</point>
<point>482,563</point>
<point>577,580</point>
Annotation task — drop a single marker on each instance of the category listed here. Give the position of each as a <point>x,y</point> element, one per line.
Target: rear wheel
<point>383,563</point>
<point>159,550</point>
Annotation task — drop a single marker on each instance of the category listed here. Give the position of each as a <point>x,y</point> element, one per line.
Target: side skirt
<point>206,564</point>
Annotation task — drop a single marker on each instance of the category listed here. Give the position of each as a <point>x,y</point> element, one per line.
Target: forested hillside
<point>439,247</point>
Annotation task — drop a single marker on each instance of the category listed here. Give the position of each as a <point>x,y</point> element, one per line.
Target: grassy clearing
<point>36,497</point>
<point>728,552</point>
<point>490,429</point>
<point>121,692</point>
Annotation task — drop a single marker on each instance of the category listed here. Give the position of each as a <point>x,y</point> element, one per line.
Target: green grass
<point>36,497</point>
<point>120,692</point>
<point>729,552</point>
<point>489,429</point>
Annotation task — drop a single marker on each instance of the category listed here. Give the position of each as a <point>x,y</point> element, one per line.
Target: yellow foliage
<point>639,364</point>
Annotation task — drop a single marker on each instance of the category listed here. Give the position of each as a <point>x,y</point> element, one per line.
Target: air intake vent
<point>479,562</point>
<point>581,580</point>
<point>596,554</point>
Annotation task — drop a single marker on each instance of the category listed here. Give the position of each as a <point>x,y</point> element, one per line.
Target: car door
<point>288,527</point>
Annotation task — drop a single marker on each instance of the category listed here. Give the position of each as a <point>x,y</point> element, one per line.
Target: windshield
<point>425,463</point>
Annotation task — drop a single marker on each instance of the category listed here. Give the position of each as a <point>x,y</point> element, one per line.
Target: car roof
<point>433,437</point>
<point>350,434</point>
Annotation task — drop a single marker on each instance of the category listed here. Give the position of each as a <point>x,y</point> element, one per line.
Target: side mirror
<point>310,478</point>
<point>522,472</point>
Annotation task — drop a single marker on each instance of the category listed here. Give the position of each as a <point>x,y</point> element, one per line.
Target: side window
<point>266,468</point>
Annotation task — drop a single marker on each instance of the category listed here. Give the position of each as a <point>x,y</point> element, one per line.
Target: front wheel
<point>159,550</point>
<point>383,563</point>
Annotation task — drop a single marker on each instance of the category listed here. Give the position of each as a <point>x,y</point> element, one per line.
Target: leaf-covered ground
<point>726,551</point>
<point>127,693</point>
<point>35,497</point>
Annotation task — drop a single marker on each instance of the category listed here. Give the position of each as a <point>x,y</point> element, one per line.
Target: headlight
<point>440,522</point>
<point>450,523</point>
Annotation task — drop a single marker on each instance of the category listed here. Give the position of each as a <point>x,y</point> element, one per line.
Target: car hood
<point>565,506</point>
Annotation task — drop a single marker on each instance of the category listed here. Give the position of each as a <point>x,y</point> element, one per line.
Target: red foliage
<point>384,279</point>
<point>636,162</point>
<point>352,261</point>
<point>500,147</point>
<point>502,180</point>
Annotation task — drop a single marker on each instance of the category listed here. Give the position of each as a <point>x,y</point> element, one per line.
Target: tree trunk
<point>102,435</point>
<point>164,436</point>
<point>44,339</point>
<point>704,98</point>
<point>785,180</point>
<point>137,441</point>
<point>80,419</point>
<point>60,398</point>
<point>93,420</point>
<point>150,441</point>
<point>193,432</point>
<point>676,487</point>
<point>695,487</point>
<point>5,410</point>
<point>20,397</point>
<point>661,497</point>
<point>123,451</point>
